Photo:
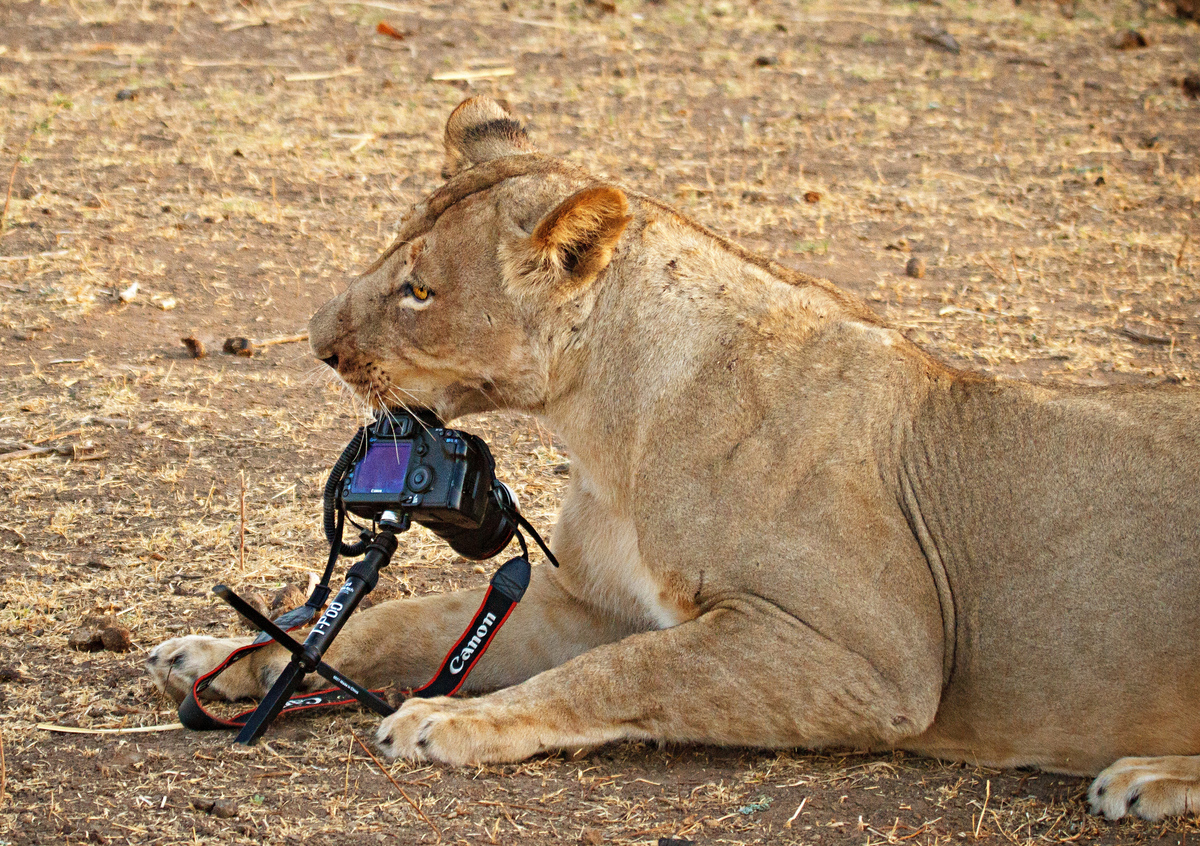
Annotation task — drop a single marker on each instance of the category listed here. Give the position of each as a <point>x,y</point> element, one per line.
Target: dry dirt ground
<point>238,161</point>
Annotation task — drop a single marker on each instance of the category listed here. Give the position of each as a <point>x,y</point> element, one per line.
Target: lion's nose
<point>332,361</point>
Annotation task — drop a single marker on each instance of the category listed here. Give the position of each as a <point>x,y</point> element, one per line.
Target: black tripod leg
<point>272,704</point>
<point>356,690</point>
<point>264,625</point>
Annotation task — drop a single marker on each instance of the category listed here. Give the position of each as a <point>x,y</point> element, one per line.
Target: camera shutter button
<point>420,478</point>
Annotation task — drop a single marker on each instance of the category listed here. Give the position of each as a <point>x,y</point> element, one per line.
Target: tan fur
<point>785,525</point>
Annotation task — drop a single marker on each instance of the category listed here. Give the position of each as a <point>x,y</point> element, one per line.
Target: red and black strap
<point>507,587</point>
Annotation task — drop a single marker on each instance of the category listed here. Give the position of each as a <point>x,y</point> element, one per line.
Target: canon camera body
<point>442,478</point>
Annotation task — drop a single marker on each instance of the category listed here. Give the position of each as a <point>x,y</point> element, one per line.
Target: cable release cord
<point>333,516</point>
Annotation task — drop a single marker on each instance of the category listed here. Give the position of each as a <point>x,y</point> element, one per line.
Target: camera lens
<point>495,530</point>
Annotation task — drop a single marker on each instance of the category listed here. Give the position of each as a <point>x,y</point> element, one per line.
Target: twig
<point>383,770</point>
<point>1182,249</point>
<point>242,526</point>
<point>316,76</point>
<point>235,63</point>
<point>284,339</point>
<point>992,267</point>
<point>471,75</point>
<point>792,818</point>
<point>247,348</point>
<point>27,453</point>
<point>12,176</point>
<point>51,254</point>
<point>986,796</point>
<point>131,730</point>
<point>1144,337</point>
<point>3,771</point>
<point>55,437</point>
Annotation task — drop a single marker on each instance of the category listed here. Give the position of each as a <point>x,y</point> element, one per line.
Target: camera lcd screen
<point>382,469</point>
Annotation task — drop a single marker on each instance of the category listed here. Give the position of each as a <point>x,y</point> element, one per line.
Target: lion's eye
<point>418,291</point>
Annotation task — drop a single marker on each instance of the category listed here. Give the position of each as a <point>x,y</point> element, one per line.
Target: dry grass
<point>262,152</point>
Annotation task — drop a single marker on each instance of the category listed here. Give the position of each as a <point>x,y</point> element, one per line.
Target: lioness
<point>786,526</point>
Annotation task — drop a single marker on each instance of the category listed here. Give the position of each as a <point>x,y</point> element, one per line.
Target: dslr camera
<point>442,478</point>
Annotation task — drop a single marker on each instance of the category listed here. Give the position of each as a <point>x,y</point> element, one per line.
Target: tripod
<point>306,657</point>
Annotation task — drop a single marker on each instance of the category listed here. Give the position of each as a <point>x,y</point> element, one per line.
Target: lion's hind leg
<point>1152,788</point>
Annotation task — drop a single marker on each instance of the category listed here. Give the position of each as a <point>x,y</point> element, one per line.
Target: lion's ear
<point>574,243</point>
<point>480,130</point>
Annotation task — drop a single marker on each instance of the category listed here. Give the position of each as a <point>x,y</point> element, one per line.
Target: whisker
<point>394,396</point>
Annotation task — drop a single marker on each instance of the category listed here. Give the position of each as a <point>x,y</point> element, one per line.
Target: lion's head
<point>476,300</point>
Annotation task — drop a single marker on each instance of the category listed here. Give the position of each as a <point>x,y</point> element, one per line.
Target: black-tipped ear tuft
<point>479,130</point>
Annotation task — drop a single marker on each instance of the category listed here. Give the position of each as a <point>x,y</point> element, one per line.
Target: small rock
<point>195,346</point>
<point>99,618</point>
<point>938,37</point>
<point>1188,9</point>
<point>201,803</point>
<point>126,295</point>
<point>224,809</point>
<point>1130,39</point>
<point>116,639</point>
<point>120,762</point>
<point>915,267</point>
<point>766,61</point>
<point>126,94</point>
<point>239,346</point>
<point>1191,86</point>
<point>812,197</point>
<point>10,673</point>
<point>85,639</point>
<point>606,7</point>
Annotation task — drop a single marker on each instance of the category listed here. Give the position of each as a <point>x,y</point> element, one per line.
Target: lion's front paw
<point>174,666</point>
<point>453,731</point>
<point>1152,788</point>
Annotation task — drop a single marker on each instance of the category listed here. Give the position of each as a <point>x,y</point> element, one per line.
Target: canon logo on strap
<point>460,660</point>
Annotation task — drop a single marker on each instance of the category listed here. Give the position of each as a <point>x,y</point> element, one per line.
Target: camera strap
<point>506,589</point>
<point>503,594</point>
<point>196,717</point>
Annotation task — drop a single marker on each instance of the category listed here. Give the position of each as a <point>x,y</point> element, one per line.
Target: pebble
<point>238,346</point>
<point>195,346</point>
<point>116,639</point>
